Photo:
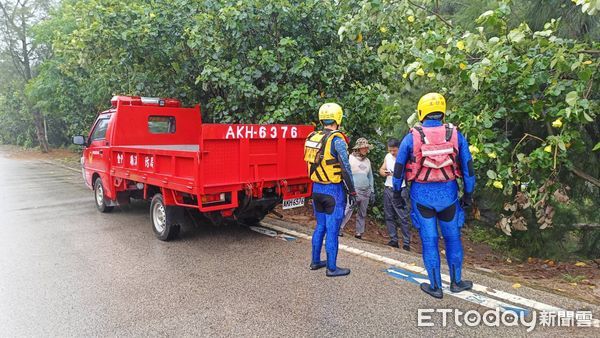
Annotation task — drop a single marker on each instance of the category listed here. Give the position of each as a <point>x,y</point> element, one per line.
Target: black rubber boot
<point>437,292</point>
<point>317,265</point>
<point>463,285</point>
<point>337,272</point>
<point>393,244</point>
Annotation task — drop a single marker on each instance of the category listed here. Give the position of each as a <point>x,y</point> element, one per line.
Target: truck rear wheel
<point>99,196</point>
<point>164,219</point>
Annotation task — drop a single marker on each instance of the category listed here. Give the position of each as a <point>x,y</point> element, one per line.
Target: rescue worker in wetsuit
<point>432,156</point>
<point>326,153</point>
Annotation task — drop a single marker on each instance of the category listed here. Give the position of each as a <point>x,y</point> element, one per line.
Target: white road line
<point>509,297</point>
<point>470,296</point>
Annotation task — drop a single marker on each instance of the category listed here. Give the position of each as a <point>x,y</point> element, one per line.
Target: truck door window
<point>161,124</point>
<point>99,132</point>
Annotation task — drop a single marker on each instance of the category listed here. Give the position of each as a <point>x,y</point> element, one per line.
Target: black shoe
<point>337,272</point>
<point>463,285</point>
<point>358,236</point>
<point>437,292</point>
<point>393,244</point>
<point>318,265</point>
<point>406,247</point>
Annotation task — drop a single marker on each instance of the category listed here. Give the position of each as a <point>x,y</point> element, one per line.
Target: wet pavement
<point>68,270</point>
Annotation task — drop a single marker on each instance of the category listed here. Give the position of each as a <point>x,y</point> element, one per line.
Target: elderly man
<point>362,175</point>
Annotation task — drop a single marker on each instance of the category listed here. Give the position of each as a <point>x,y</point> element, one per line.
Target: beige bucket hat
<point>362,143</point>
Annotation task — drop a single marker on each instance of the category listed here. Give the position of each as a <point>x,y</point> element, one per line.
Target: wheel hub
<point>99,195</point>
<point>159,217</point>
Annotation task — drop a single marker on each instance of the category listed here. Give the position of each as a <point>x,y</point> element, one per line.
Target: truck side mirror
<point>79,140</point>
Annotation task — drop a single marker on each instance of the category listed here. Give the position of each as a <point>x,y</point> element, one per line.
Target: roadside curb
<point>61,165</point>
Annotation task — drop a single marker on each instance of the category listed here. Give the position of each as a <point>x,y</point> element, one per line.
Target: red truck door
<point>96,156</point>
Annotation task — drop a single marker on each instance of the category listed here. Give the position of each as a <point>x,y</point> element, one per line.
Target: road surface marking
<point>465,295</point>
<point>264,231</point>
<point>286,238</point>
<point>271,233</point>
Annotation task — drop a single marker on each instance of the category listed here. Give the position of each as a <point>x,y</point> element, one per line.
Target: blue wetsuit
<point>438,201</point>
<point>329,203</point>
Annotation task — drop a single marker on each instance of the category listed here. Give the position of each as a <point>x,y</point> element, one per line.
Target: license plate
<point>293,203</point>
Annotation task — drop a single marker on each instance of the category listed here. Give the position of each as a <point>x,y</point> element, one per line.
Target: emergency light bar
<point>144,101</point>
<point>152,100</point>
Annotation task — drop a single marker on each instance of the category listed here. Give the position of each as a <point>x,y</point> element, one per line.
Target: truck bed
<point>219,162</point>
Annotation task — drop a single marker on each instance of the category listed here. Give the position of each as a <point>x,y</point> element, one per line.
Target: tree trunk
<point>38,120</point>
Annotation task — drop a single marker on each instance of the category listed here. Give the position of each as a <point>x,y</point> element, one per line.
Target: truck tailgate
<point>241,154</point>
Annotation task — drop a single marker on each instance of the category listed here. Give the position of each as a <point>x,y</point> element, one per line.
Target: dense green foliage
<point>523,88</point>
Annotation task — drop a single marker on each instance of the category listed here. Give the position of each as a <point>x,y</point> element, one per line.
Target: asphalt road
<point>68,270</point>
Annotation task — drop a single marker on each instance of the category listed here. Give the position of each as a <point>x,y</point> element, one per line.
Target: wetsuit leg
<point>426,221</point>
<point>329,201</point>
<point>318,236</point>
<point>333,222</point>
<point>322,204</point>
<point>331,241</point>
<point>451,220</point>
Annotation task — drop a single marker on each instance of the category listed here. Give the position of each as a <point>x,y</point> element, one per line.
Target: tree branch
<point>10,19</point>
<point>584,225</point>
<point>432,12</point>
<point>585,176</point>
<point>525,136</point>
<point>590,85</point>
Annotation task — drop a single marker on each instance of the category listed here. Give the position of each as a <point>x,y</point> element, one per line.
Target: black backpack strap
<point>313,166</point>
<point>422,133</point>
<point>449,131</point>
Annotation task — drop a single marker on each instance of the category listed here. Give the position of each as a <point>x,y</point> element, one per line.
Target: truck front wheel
<point>99,196</point>
<point>164,219</point>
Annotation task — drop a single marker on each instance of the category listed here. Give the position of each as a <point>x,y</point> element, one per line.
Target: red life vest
<point>435,151</point>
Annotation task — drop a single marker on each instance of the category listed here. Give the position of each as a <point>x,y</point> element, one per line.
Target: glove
<point>398,199</point>
<point>372,198</point>
<point>352,199</point>
<point>466,200</point>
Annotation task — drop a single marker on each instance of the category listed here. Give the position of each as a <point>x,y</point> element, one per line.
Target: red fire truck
<point>154,149</point>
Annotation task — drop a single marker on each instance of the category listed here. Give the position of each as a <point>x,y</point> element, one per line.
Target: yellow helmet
<point>331,111</point>
<point>431,103</point>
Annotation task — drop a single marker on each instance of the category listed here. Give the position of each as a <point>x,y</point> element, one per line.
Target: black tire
<point>165,219</point>
<point>100,197</point>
